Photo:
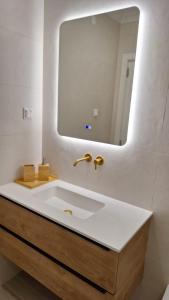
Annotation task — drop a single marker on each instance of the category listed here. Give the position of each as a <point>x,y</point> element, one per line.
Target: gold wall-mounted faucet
<point>87,157</point>
<point>99,161</point>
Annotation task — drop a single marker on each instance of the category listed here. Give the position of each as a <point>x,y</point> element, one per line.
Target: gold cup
<point>44,172</point>
<point>28,173</point>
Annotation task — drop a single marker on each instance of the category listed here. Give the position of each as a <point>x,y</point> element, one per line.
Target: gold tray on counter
<point>36,182</point>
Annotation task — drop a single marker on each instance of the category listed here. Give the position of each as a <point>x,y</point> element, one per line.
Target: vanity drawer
<point>61,282</point>
<point>93,261</point>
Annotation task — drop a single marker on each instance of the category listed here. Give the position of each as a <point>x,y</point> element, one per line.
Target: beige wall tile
<point>21,64</point>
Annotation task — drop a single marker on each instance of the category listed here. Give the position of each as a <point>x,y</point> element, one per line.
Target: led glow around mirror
<point>96,69</point>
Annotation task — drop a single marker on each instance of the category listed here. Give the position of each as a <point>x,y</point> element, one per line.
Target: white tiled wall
<point>21,67</point>
<point>138,173</point>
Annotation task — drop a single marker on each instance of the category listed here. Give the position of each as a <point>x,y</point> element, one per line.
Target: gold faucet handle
<point>99,161</point>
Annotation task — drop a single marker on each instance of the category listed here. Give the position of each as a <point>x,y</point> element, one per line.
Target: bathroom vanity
<point>75,257</point>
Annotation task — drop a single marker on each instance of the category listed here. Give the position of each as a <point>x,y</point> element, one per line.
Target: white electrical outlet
<point>95,112</point>
<point>26,113</point>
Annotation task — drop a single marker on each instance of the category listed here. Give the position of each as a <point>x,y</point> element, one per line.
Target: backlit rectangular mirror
<point>96,70</point>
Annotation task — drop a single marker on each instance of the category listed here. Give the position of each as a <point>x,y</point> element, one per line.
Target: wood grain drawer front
<point>92,261</point>
<point>60,281</point>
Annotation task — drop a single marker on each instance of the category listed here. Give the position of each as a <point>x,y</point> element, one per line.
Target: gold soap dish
<point>36,182</point>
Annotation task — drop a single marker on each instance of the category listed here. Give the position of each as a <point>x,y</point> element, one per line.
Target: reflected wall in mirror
<point>96,68</point>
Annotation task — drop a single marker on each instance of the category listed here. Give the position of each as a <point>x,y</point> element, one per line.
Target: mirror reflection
<point>96,69</point>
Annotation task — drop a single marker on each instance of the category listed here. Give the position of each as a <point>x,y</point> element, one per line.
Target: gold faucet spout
<point>87,157</point>
<point>78,161</point>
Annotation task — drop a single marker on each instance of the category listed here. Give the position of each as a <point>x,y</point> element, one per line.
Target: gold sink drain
<point>68,211</point>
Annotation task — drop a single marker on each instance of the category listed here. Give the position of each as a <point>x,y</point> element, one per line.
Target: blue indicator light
<point>88,126</point>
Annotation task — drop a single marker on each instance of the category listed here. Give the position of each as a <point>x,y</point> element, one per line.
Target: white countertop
<point>112,226</point>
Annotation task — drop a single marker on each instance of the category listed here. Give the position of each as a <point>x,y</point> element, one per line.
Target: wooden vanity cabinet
<point>71,266</point>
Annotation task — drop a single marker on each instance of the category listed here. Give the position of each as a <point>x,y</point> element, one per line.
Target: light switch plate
<point>26,113</point>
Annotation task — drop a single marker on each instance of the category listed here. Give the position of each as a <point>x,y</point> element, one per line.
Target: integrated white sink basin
<point>71,203</point>
<point>107,221</point>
